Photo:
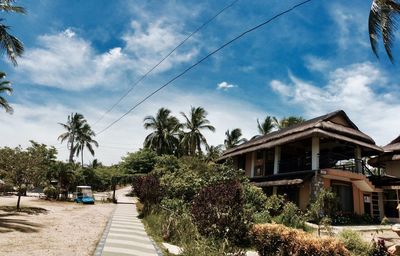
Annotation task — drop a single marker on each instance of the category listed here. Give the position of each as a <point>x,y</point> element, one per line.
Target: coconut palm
<point>266,126</point>
<point>165,127</point>
<point>5,87</point>
<point>74,123</point>
<point>193,138</point>
<point>84,138</point>
<point>233,139</point>
<point>382,21</point>
<point>287,121</point>
<point>213,153</point>
<point>9,43</point>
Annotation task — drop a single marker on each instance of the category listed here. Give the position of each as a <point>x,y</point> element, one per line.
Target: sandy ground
<point>57,228</point>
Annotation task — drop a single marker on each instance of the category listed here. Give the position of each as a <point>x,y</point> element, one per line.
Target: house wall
<point>393,168</point>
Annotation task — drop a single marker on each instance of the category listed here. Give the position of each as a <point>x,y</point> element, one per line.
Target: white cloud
<point>151,42</point>
<point>358,89</point>
<point>314,63</point>
<point>40,122</point>
<point>225,86</point>
<point>65,60</point>
<point>352,26</point>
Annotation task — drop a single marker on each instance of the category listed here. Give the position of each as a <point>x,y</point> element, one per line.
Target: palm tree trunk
<point>82,156</point>
<point>71,152</point>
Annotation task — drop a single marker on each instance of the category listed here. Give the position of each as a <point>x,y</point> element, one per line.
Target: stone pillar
<point>315,153</point>
<point>277,159</point>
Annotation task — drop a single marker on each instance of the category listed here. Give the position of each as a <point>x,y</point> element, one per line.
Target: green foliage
<point>218,212</point>
<point>321,208</point>
<point>166,164</point>
<point>354,243</point>
<point>148,190</point>
<point>50,192</point>
<point>291,216</point>
<point>142,161</point>
<point>274,204</point>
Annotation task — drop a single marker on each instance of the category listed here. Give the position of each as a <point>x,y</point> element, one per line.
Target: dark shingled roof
<point>393,146</point>
<point>323,126</point>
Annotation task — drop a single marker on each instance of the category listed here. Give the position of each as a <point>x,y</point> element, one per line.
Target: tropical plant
<point>164,138</point>
<point>84,138</point>
<point>142,161</point>
<point>233,139</point>
<point>193,138</point>
<point>5,87</point>
<point>286,122</point>
<point>382,21</point>
<point>266,126</point>
<point>213,153</point>
<point>74,124</point>
<point>9,43</point>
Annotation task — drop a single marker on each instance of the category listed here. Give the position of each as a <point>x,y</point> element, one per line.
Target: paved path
<point>125,234</point>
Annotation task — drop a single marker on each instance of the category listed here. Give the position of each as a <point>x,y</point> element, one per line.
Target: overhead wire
<point>163,59</point>
<point>203,59</point>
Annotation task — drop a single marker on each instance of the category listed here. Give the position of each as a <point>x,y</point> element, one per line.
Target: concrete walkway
<point>125,234</point>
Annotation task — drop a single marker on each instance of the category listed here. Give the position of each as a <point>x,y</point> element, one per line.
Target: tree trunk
<point>82,156</point>
<point>71,152</point>
<point>19,200</point>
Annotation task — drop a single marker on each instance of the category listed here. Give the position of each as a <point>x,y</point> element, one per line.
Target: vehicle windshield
<point>86,192</point>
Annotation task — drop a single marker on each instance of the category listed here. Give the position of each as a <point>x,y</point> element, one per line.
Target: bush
<point>166,164</point>
<point>50,192</point>
<point>148,190</point>
<point>353,242</point>
<point>291,216</point>
<point>276,239</point>
<point>218,212</point>
<point>378,249</point>
<point>254,198</point>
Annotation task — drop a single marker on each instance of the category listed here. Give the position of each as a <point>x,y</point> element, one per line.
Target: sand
<point>65,228</point>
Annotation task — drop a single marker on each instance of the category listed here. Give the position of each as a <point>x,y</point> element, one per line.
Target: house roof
<point>393,146</point>
<point>333,125</point>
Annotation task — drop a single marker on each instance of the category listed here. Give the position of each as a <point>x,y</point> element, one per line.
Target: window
<point>259,163</point>
<point>390,202</point>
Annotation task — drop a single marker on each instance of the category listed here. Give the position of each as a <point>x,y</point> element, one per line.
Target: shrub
<point>218,212</point>
<point>166,164</point>
<point>378,249</point>
<point>276,239</point>
<point>353,242</point>
<point>148,190</point>
<point>254,198</point>
<point>291,216</point>
<point>274,204</point>
<point>50,192</point>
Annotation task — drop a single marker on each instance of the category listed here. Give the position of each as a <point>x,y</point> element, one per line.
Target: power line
<point>164,58</point>
<point>203,59</point>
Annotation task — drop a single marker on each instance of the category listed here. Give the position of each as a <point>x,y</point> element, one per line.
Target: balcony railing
<point>335,161</point>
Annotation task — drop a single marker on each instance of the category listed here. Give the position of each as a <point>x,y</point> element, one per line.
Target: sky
<point>82,56</point>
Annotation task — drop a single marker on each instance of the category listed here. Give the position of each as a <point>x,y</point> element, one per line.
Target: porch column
<point>315,153</point>
<point>357,157</point>
<point>252,163</point>
<point>277,159</point>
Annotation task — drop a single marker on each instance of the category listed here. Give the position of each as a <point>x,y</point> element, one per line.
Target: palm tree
<point>163,139</point>
<point>382,21</point>
<point>5,87</point>
<point>192,139</point>
<point>233,138</point>
<point>213,153</point>
<point>9,43</point>
<point>287,121</point>
<point>74,124</point>
<point>266,126</point>
<point>84,138</point>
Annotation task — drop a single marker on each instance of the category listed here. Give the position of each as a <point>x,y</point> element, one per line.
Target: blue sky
<point>81,56</point>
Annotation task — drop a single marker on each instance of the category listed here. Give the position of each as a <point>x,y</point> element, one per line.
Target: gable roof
<point>393,146</point>
<point>334,125</point>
